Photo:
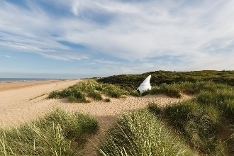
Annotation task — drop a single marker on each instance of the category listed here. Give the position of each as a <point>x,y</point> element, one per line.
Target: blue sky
<point>85,38</point>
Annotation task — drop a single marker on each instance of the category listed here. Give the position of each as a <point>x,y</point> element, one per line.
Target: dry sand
<point>26,101</point>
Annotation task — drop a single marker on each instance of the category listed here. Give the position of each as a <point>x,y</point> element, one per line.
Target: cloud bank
<point>125,36</point>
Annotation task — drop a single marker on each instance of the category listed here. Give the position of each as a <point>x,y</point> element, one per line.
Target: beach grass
<point>141,133</point>
<point>203,119</point>
<point>205,122</point>
<point>132,81</point>
<point>58,133</point>
<point>203,125</point>
<point>177,89</point>
<point>89,88</point>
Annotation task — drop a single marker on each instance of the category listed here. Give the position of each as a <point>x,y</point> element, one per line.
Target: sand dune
<point>24,103</point>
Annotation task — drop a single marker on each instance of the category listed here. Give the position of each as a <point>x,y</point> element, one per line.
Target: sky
<point>86,38</point>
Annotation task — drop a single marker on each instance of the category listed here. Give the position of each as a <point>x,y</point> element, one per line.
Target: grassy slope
<point>58,133</point>
<point>202,119</point>
<point>159,77</point>
<point>205,122</point>
<point>199,122</point>
<point>141,133</point>
<point>89,89</point>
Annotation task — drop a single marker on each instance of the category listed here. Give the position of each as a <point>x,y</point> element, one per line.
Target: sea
<point>3,80</point>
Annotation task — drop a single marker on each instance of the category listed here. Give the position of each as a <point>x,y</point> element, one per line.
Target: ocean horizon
<point>24,79</point>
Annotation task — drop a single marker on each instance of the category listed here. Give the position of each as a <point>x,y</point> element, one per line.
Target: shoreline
<point>12,85</point>
<point>25,101</point>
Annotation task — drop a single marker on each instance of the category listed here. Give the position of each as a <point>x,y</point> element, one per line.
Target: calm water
<point>22,79</point>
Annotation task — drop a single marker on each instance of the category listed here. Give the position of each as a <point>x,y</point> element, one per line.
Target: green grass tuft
<point>140,133</point>
<point>88,88</point>
<point>58,133</point>
<point>107,100</point>
<point>95,95</point>
<point>200,120</point>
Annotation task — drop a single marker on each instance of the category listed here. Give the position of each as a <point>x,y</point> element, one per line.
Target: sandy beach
<point>23,102</point>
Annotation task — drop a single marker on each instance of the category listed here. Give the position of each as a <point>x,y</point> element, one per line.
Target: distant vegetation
<point>162,82</point>
<point>132,81</point>
<point>58,133</point>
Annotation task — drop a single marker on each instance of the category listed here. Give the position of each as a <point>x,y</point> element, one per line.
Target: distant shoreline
<point>11,80</point>
<point>11,84</point>
<point>24,101</point>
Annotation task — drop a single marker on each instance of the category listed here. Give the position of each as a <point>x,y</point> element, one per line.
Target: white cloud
<point>148,33</point>
<point>200,32</point>
<point>7,56</point>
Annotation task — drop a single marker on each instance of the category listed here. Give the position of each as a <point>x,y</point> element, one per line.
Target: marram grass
<point>88,89</point>
<point>141,133</point>
<point>203,119</point>
<point>58,133</point>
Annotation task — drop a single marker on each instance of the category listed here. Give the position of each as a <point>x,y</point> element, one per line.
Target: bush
<point>179,114</point>
<point>230,142</point>
<point>134,93</point>
<point>77,96</point>
<point>107,100</point>
<point>153,108</point>
<point>54,95</point>
<point>114,91</point>
<point>171,90</point>
<point>95,95</point>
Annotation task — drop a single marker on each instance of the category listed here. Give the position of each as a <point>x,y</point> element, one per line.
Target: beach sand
<point>23,102</point>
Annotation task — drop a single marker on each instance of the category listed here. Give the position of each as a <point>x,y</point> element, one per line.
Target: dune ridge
<point>23,104</point>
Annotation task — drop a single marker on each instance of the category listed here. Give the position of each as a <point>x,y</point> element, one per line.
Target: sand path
<point>24,104</point>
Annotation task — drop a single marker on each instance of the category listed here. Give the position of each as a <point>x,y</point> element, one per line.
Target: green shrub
<point>229,110</point>
<point>156,90</point>
<point>107,100</point>
<point>146,92</point>
<point>67,92</point>
<point>171,90</point>
<point>114,91</point>
<point>154,108</point>
<point>230,141</point>
<point>95,95</point>
<point>114,94</point>
<point>54,95</point>
<point>77,96</point>
<point>179,114</point>
<point>134,93</point>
